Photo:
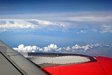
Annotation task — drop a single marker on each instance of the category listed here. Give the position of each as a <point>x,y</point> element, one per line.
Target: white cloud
<point>90,18</point>
<point>54,48</point>
<point>50,47</point>
<point>59,49</point>
<point>40,49</point>
<point>106,45</point>
<point>68,48</point>
<point>43,22</point>
<point>76,47</point>
<point>46,49</point>
<point>34,47</point>
<point>2,30</point>
<point>81,31</point>
<point>96,45</point>
<point>26,23</point>
<point>83,21</point>
<point>17,24</point>
<point>86,47</point>
<point>22,48</point>
<point>106,28</point>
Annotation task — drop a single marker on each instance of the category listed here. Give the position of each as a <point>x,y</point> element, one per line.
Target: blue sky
<point>59,22</point>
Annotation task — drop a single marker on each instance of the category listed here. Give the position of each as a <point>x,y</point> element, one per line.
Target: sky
<point>75,26</point>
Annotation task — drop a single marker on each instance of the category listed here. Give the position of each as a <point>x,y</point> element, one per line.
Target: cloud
<point>2,30</point>
<point>30,24</point>
<point>22,48</point>
<point>81,31</point>
<point>51,47</point>
<point>76,47</point>
<point>25,23</point>
<point>106,28</point>
<point>82,21</point>
<point>68,48</point>
<point>43,22</point>
<point>16,24</point>
<point>55,48</point>
<point>90,18</point>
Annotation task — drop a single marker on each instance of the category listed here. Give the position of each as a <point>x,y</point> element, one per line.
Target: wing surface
<point>13,63</point>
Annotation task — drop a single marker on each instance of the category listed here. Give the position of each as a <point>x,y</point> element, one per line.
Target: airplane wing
<point>13,63</point>
<point>71,64</point>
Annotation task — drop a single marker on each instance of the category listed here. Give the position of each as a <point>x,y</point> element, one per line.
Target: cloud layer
<point>82,21</point>
<point>20,23</point>
<point>55,48</point>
